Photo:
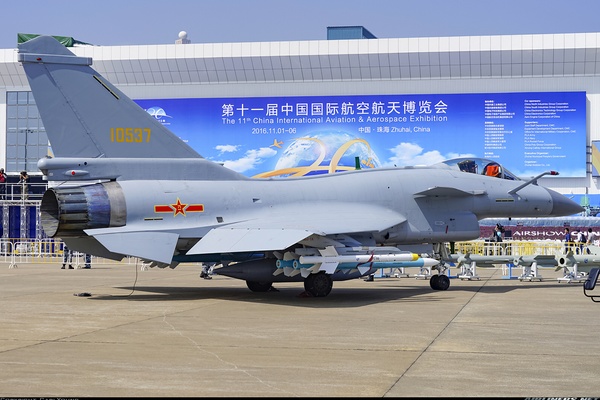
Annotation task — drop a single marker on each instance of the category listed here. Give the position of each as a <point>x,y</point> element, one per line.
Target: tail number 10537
<point>130,135</point>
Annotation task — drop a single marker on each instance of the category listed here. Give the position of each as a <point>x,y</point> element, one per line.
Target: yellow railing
<point>511,247</point>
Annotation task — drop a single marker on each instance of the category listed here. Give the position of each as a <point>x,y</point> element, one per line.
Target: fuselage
<point>436,204</point>
<point>429,217</point>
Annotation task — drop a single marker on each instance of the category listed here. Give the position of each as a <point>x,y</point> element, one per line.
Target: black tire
<point>319,284</point>
<point>443,282</point>
<point>433,281</point>
<point>259,286</point>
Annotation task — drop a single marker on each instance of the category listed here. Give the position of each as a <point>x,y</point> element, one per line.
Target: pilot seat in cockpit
<point>468,166</point>
<point>474,165</point>
<point>492,169</point>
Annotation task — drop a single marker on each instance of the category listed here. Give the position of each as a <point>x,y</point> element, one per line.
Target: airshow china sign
<point>290,136</point>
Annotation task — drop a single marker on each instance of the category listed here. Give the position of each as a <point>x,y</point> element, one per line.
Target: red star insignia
<point>179,208</point>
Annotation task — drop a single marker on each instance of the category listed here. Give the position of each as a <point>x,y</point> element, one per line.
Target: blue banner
<point>290,136</point>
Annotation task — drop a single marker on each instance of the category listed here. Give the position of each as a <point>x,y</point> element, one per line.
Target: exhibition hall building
<point>530,102</point>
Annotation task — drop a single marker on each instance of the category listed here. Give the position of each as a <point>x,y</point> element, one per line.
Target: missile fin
<point>329,267</point>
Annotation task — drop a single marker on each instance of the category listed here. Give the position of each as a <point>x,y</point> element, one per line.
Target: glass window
<point>32,112</point>
<point>22,97</point>
<point>26,137</point>
<point>32,136</point>
<point>43,140</point>
<point>20,152</point>
<point>22,111</point>
<point>11,125</point>
<point>21,137</point>
<point>11,112</point>
<point>11,98</point>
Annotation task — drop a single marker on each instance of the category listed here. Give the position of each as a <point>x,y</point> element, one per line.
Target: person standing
<point>591,240</point>
<point>3,181</point>
<point>579,241</point>
<point>24,183</point>
<point>67,257</point>
<point>498,230</point>
<point>88,261</point>
<point>568,240</point>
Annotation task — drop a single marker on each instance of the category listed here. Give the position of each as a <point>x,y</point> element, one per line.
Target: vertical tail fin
<point>85,115</point>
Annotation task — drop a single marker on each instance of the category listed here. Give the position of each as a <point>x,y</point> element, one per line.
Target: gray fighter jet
<point>127,186</point>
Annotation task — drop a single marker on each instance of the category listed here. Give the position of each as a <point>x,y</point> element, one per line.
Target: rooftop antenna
<point>183,38</point>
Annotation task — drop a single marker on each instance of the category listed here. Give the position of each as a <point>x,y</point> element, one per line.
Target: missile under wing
<point>134,189</point>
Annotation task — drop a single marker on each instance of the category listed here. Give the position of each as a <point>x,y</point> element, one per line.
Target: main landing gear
<point>439,282</point>
<point>319,284</point>
<point>259,286</point>
<point>316,285</point>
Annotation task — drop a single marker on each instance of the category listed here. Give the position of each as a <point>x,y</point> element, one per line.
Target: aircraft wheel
<point>319,284</point>
<point>259,286</point>
<point>443,282</point>
<point>433,281</point>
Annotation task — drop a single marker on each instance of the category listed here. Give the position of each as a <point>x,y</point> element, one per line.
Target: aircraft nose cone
<point>562,205</point>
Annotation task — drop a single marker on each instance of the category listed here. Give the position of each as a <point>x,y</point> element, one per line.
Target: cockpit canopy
<point>481,166</point>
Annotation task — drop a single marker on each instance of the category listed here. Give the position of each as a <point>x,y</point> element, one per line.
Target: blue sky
<point>137,22</point>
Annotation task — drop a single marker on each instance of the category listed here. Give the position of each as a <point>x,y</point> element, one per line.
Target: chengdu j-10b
<point>130,187</point>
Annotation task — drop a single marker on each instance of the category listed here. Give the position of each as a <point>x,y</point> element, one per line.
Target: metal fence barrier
<point>46,251</point>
